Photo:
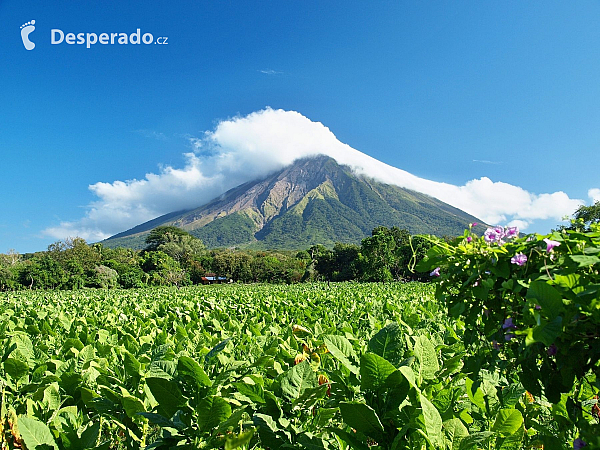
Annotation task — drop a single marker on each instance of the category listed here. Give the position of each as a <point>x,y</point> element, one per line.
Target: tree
<point>162,235</point>
<point>322,262</point>
<point>181,247</point>
<point>105,277</point>
<point>378,255</point>
<point>163,270</point>
<point>9,266</point>
<point>345,262</point>
<point>42,272</point>
<point>588,214</point>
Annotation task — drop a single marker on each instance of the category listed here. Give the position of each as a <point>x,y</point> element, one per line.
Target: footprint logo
<point>26,30</point>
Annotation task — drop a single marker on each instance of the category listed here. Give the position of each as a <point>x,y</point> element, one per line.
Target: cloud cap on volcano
<point>246,148</point>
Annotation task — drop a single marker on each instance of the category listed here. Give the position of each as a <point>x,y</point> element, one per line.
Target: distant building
<point>211,278</point>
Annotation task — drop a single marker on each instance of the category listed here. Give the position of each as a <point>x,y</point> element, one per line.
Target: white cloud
<point>522,225</point>
<point>594,194</point>
<point>270,72</point>
<point>246,148</point>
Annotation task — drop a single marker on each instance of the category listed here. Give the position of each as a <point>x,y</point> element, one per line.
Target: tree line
<point>174,257</point>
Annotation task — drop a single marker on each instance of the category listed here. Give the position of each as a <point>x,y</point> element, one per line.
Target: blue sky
<point>447,91</point>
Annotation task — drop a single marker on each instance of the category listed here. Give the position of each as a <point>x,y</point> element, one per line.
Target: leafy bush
<point>531,308</point>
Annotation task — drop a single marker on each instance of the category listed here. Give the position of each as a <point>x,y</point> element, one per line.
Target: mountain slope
<point>313,201</point>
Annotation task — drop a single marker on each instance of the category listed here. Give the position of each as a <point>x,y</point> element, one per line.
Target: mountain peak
<point>314,200</point>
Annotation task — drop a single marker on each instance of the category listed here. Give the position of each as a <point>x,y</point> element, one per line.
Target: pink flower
<point>435,272</point>
<point>511,232</point>
<point>550,244</point>
<point>492,235</point>
<point>519,259</point>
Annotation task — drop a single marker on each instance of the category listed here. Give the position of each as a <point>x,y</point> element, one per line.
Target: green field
<point>341,365</point>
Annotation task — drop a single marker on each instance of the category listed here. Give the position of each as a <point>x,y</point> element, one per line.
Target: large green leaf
<point>132,405</point>
<point>388,343</point>
<point>427,358</point>
<point>362,418</point>
<point>508,422</point>
<point>310,397</point>
<point>583,260</point>
<point>297,379</point>
<point>455,432</point>
<point>16,368</point>
<point>35,433</point>
<point>433,420</point>
<point>547,297</point>
<point>132,365</point>
<point>188,367</point>
<point>475,394</point>
<point>20,347</point>
<point>514,441</point>
<point>546,332</point>
<point>350,439</point>
<point>341,348</point>
<point>89,437</point>
<point>475,440</point>
<point>253,391</point>
<point>212,410</point>
<point>269,433</point>
<point>167,394</point>
<point>376,371</point>
<point>309,441</point>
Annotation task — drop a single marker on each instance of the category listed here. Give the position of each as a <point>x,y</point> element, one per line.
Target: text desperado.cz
<point>58,37</point>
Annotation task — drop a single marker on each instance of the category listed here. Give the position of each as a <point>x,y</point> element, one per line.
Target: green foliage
<point>163,234</point>
<point>106,277</point>
<point>182,248</point>
<point>531,308</point>
<point>163,270</point>
<point>305,366</point>
<point>227,231</point>
<point>587,214</point>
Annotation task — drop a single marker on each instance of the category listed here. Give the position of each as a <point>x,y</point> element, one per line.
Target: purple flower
<point>491,235</point>
<point>469,238</point>
<point>495,345</point>
<point>579,443</point>
<point>495,234</point>
<point>550,244</point>
<point>537,307</point>
<point>435,272</point>
<point>519,259</point>
<point>508,324</point>
<point>552,350</point>
<point>508,337</point>
<point>474,224</point>
<point>511,232</point>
